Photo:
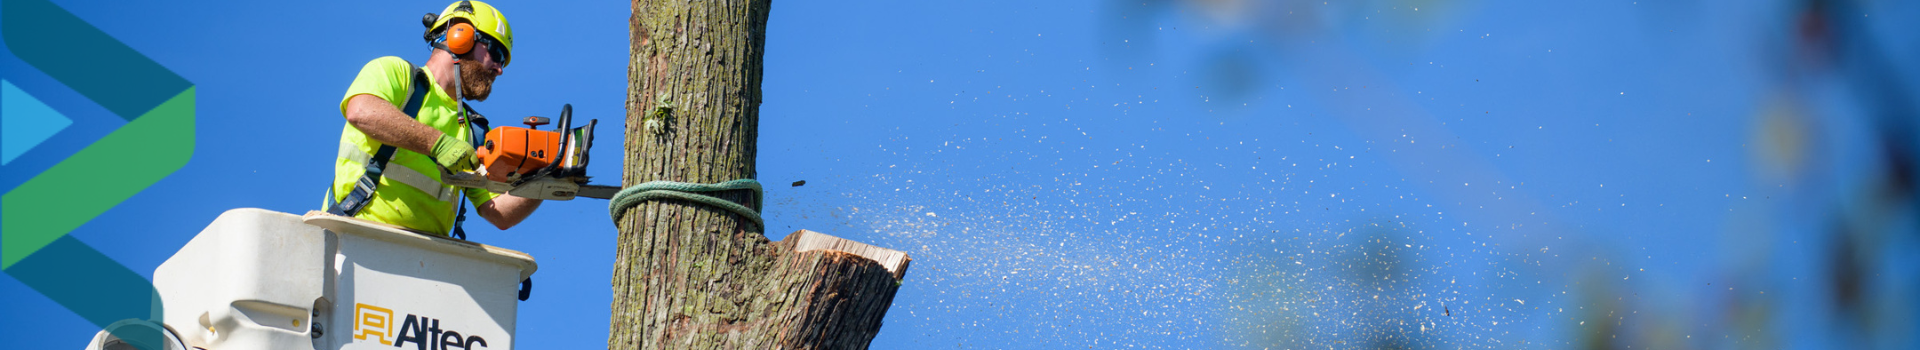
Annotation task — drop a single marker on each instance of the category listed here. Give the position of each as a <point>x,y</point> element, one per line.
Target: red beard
<point>475,81</point>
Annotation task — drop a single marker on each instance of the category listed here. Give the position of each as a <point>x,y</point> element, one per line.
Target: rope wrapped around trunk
<point>692,192</point>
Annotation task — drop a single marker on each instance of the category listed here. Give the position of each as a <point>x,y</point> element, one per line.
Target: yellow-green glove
<point>453,154</point>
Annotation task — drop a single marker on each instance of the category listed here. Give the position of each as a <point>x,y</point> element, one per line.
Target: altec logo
<point>376,323</point>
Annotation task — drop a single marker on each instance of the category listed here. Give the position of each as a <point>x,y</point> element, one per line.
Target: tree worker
<point>406,124</point>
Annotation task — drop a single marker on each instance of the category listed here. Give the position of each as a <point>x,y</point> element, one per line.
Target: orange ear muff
<point>460,38</point>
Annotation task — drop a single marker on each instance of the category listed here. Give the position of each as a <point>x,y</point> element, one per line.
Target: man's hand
<point>453,154</point>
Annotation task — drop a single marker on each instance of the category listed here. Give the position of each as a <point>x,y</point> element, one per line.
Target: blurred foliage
<point>1827,70</point>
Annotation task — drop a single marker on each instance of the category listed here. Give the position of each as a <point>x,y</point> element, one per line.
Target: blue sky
<point>1160,175</point>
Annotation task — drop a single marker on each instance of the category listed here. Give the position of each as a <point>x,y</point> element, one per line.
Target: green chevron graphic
<point>156,141</point>
<point>96,179</point>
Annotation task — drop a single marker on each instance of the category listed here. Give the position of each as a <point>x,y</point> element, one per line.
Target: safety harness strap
<point>363,189</point>
<point>478,125</point>
<point>403,175</point>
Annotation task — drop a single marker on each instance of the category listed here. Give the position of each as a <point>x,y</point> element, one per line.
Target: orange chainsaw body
<point>514,151</point>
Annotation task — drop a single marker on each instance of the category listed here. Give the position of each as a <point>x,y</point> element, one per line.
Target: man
<point>471,43</point>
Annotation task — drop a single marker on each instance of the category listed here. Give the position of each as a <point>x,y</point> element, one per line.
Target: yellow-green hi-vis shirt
<point>410,193</point>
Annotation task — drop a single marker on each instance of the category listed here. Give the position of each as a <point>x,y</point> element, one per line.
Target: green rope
<point>692,192</point>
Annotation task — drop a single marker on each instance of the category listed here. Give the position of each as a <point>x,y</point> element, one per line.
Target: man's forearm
<point>382,122</point>
<point>506,211</point>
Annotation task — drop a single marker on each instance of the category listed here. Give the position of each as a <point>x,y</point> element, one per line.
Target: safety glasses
<point>499,52</point>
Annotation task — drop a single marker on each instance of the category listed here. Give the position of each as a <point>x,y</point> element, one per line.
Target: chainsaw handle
<point>566,136</point>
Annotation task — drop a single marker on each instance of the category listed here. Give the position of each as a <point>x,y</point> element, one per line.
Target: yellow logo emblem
<point>375,321</point>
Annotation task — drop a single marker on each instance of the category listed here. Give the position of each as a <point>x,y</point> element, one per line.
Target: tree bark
<point>698,277</point>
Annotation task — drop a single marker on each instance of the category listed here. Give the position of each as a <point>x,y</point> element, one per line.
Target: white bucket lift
<point>258,279</point>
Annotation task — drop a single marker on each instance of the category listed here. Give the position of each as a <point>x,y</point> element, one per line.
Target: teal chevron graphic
<point>156,141</point>
<point>25,122</point>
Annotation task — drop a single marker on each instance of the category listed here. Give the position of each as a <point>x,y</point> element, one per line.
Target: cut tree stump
<point>689,276</point>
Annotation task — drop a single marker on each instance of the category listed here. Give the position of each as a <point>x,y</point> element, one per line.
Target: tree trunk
<point>688,275</point>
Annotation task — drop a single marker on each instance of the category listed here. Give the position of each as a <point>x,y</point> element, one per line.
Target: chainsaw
<point>537,164</point>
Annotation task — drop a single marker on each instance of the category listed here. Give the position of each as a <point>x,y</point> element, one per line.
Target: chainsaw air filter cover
<point>511,152</point>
